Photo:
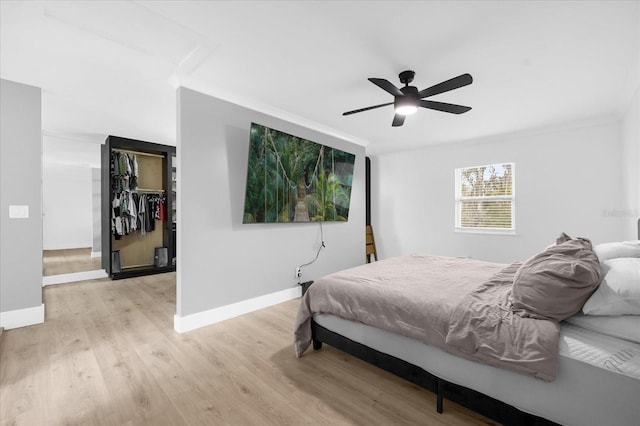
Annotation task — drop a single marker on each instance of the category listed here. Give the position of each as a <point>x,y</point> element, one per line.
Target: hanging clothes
<point>151,217</point>
<point>142,213</point>
<point>162,211</point>
<point>116,220</point>
<point>133,180</point>
<point>158,208</point>
<point>124,171</point>
<point>132,214</point>
<point>132,211</point>
<point>124,177</point>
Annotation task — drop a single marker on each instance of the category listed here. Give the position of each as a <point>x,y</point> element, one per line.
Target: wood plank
<point>67,261</point>
<point>108,355</point>
<point>73,363</point>
<point>25,376</point>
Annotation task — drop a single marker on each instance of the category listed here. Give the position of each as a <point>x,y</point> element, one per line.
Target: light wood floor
<point>107,354</point>
<point>67,261</point>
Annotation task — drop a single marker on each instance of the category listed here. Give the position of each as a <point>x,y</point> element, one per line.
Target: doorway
<point>71,233</point>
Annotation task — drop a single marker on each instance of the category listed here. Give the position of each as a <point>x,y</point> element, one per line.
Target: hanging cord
<point>322,245</point>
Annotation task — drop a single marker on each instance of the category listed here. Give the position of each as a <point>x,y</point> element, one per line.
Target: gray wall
<point>20,184</point>
<point>220,260</point>
<point>566,180</point>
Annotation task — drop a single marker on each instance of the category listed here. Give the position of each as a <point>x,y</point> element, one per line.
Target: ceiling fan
<point>407,99</point>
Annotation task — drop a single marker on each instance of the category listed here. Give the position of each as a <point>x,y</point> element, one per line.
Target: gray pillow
<point>555,283</point>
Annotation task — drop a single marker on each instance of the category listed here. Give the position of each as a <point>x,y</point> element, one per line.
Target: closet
<point>138,207</point>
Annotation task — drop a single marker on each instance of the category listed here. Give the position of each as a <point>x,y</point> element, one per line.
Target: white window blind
<point>485,198</point>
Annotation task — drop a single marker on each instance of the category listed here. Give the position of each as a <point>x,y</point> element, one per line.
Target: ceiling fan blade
<point>366,109</point>
<point>441,106</point>
<point>445,86</point>
<point>398,120</point>
<point>386,85</point>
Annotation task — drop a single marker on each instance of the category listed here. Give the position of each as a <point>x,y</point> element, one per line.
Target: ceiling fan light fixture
<point>406,109</point>
<point>405,105</point>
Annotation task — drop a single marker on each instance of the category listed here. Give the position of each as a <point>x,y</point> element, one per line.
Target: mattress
<point>589,388</point>
<point>616,355</point>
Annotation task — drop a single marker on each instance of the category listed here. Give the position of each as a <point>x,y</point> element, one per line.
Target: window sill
<point>485,231</point>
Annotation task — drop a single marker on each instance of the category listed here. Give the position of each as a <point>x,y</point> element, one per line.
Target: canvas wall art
<point>291,179</point>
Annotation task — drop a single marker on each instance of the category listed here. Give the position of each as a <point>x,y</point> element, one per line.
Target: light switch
<point>18,212</point>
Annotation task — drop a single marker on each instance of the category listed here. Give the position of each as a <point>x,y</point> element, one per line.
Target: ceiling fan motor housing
<point>410,98</point>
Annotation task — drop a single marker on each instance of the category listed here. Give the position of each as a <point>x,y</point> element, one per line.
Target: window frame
<point>459,199</point>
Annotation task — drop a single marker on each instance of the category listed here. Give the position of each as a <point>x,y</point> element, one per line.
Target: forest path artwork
<point>290,179</point>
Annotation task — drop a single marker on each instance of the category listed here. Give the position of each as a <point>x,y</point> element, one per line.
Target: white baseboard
<point>212,316</point>
<point>96,254</point>
<point>22,317</point>
<point>76,276</point>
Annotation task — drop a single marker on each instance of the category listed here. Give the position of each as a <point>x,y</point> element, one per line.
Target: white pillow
<point>619,291</point>
<point>608,251</point>
<point>621,326</point>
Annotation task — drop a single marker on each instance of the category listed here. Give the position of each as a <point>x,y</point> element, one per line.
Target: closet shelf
<point>138,153</point>
<point>138,266</point>
<point>147,190</point>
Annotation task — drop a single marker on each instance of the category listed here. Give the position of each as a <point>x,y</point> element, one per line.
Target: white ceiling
<point>112,67</point>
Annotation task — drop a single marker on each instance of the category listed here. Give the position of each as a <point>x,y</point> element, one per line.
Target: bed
<point>583,369</point>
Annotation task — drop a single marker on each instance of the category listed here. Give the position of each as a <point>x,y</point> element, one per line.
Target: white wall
<point>67,206</point>
<point>96,212</point>
<point>566,180</point>
<point>630,213</point>
<point>20,185</point>
<point>220,260</point>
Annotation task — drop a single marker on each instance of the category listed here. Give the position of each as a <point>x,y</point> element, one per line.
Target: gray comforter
<point>459,305</point>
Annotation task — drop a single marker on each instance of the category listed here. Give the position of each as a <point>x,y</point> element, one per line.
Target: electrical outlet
<point>298,272</point>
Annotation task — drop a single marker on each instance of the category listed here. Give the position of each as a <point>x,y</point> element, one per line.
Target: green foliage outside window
<point>485,196</point>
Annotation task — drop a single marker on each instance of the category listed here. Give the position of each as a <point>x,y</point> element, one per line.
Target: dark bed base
<point>476,401</point>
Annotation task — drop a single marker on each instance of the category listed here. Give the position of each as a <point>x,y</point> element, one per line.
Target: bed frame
<point>476,401</point>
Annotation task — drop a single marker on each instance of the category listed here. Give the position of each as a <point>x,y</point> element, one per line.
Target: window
<point>485,199</point>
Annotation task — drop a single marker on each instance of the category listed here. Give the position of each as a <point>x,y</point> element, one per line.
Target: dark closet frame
<point>169,234</point>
